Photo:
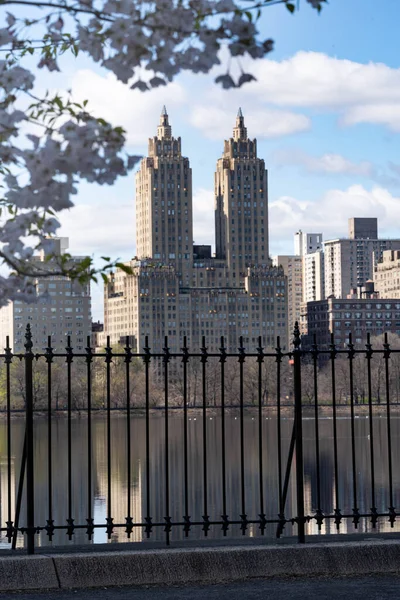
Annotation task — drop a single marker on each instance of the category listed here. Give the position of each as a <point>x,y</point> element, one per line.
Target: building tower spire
<point>240,131</point>
<point>241,181</point>
<point>164,128</point>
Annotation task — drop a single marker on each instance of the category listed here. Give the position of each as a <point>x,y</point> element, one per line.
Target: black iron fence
<point>256,412</point>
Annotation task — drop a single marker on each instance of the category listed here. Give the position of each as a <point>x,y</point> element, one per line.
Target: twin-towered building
<point>178,289</point>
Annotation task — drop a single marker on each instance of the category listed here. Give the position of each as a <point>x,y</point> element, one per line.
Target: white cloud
<point>358,93</point>
<point>379,114</point>
<point>215,122</point>
<point>329,214</point>
<point>315,79</point>
<point>137,112</point>
<point>108,229</point>
<point>332,164</point>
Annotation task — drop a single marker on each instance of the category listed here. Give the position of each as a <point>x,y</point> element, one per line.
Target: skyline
<point>203,216</point>
<point>178,289</point>
<point>341,151</point>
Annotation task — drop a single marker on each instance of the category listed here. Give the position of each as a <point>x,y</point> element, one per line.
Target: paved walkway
<point>378,587</point>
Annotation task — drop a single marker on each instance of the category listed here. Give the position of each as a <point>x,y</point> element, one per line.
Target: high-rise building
<point>293,269</point>
<point>313,276</point>
<point>164,220</point>
<point>178,290</point>
<point>63,308</point>
<point>241,204</point>
<point>349,263</point>
<point>313,283</point>
<point>305,274</point>
<point>307,243</point>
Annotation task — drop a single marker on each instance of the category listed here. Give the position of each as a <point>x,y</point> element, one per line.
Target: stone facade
<point>241,205</point>
<point>342,316</point>
<point>387,275</point>
<point>164,219</point>
<point>173,293</point>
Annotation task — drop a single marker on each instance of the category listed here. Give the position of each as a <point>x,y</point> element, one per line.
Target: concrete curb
<point>27,573</point>
<point>190,565</point>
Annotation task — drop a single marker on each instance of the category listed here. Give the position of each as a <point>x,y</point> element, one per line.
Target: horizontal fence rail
<point>167,445</point>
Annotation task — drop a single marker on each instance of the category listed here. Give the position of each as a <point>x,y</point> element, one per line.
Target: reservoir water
<point>151,475</point>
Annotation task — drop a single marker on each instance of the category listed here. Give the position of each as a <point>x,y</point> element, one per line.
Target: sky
<point>325,110</point>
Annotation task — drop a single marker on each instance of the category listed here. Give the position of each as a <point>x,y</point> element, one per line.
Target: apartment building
<point>293,269</point>
<point>307,243</point>
<point>350,262</point>
<point>177,289</point>
<point>359,316</point>
<point>62,309</point>
<point>305,274</point>
<point>387,275</point>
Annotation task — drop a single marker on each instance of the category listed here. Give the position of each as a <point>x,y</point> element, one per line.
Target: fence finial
<point>296,336</point>
<point>28,337</point>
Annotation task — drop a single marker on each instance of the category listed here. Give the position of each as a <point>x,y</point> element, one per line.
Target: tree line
<point>213,383</point>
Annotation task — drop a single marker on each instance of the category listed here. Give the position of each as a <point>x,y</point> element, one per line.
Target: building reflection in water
<point>195,492</point>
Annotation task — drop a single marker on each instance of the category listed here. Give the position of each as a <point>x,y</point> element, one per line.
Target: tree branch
<point>61,7</point>
<point>20,267</point>
<point>106,17</point>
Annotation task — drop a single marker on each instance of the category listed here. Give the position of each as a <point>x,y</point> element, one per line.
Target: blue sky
<point>325,110</point>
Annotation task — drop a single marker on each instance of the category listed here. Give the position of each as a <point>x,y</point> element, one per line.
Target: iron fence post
<point>298,427</point>
<point>30,502</point>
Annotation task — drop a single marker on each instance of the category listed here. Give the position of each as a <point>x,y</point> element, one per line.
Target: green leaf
<point>105,278</point>
<point>57,100</point>
<point>85,263</point>
<point>82,278</point>
<point>291,7</point>
<point>105,258</point>
<point>124,268</point>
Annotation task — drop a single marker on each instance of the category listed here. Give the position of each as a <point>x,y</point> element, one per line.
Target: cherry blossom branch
<point>80,269</point>
<point>58,7</point>
<point>127,37</point>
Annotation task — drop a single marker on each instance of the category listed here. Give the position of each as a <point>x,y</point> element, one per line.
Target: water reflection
<point>152,475</point>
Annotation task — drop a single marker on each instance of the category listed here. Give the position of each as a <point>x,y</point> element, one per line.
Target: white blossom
<point>11,20</point>
<point>145,43</point>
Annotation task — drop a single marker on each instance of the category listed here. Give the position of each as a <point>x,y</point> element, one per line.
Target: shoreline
<point>287,411</point>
